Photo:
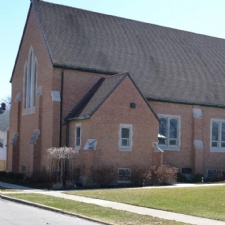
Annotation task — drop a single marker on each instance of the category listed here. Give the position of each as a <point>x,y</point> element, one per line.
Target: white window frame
<point>219,148</point>
<point>124,181</point>
<point>167,146</point>
<point>77,147</point>
<point>130,139</point>
<point>29,83</point>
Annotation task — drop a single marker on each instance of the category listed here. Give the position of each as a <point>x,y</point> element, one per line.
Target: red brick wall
<point>32,38</point>
<point>191,129</point>
<point>104,126</point>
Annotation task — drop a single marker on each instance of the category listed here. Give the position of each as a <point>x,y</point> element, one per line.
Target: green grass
<point>93,211</point>
<point>206,202</point>
<point>2,189</point>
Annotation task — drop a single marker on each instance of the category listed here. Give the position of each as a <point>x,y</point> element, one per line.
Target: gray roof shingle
<point>165,63</point>
<point>90,103</point>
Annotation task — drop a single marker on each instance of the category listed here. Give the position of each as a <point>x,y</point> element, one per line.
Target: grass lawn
<point>93,211</point>
<point>208,201</point>
<point>2,189</point>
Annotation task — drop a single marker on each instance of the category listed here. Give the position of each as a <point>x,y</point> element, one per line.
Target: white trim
<point>130,140</point>
<point>167,146</point>
<point>77,147</point>
<point>216,149</point>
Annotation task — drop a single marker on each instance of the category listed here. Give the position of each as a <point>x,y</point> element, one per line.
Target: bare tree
<point>62,161</point>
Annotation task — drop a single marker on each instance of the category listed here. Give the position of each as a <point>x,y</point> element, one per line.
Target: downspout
<point>61,108</point>
<point>67,133</point>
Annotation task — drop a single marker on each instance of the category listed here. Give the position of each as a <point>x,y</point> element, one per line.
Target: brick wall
<point>193,129</point>
<point>104,126</point>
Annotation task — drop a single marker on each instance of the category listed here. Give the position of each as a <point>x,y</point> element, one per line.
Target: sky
<point>199,16</point>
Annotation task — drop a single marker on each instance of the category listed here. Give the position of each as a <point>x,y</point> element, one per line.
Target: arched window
<point>30,77</point>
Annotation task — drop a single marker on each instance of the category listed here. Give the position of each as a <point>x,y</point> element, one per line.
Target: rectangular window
<point>212,173</point>
<point>169,131</point>
<point>125,137</point>
<point>77,136</point>
<point>23,169</point>
<point>1,143</point>
<point>217,136</point>
<point>124,175</point>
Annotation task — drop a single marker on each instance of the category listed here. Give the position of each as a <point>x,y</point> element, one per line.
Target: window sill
<point>125,149</point>
<point>28,111</point>
<point>217,150</point>
<point>77,148</point>
<point>176,148</point>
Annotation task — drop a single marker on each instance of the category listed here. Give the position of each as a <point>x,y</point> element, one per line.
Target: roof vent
<point>132,105</point>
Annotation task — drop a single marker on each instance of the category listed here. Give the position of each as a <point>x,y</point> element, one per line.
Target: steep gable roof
<point>166,64</point>
<point>89,104</point>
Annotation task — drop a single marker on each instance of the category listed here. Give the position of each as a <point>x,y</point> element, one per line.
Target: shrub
<point>10,175</point>
<point>104,175</point>
<point>219,176</point>
<point>139,176</point>
<point>197,178</point>
<point>182,178</point>
<point>3,174</point>
<point>18,176</point>
<point>162,175</point>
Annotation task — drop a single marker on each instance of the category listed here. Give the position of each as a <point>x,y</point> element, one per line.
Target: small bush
<point>139,176</point>
<point>10,175</point>
<point>197,178</point>
<point>218,177</point>
<point>162,175</point>
<point>104,175</point>
<point>182,178</point>
<point>18,176</point>
<point>3,174</point>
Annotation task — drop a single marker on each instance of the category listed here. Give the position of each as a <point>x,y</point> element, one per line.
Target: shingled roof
<point>97,95</point>
<point>166,64</point>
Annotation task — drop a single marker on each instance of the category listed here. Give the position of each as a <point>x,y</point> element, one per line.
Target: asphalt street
<point>12,213</point>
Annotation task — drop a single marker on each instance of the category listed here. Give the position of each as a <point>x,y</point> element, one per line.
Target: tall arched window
<point>30,77</point>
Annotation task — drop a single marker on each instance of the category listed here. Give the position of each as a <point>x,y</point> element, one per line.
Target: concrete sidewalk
<point>125,207</point>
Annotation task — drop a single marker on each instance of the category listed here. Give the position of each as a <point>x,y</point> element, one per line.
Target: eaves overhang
<point>78,118</point>
<point>84,69</point>
<point>186,102</point>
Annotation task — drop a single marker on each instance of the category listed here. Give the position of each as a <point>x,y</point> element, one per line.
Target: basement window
<point>124,175</point>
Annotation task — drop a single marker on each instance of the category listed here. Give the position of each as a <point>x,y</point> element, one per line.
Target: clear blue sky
<point>199,16</point>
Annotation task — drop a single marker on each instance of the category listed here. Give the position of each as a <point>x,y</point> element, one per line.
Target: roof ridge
<point>123,18</point>
<point>77,109</point>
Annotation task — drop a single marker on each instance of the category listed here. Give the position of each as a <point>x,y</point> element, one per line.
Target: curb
<point>52,209</point>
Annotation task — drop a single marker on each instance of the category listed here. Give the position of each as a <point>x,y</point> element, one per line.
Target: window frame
<point>211,172</point>
<point>78,147</point>
<point>30,83</point>
<point>124,181</point>
<point>167,146</point>
<point>218,148</point>
<point>130,139</point>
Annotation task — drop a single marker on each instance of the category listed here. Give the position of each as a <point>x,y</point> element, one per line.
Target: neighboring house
<point>107,85</point>
<point>4,125</point>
